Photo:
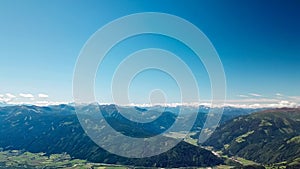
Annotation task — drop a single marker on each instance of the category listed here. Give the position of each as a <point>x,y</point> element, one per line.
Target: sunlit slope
<point>268,136</point>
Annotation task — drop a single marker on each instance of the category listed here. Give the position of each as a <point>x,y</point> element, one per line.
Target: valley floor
<point>20,159</point>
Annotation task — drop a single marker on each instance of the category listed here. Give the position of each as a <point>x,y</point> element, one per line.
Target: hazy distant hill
<point>55,129</point>
<point>268,136</point>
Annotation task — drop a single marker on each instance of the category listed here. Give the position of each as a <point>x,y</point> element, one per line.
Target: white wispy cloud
<point>9,95</point>
<point>2,99</point>
<point>241,95</point>
<point>245,103</point>
<point>28,99</point>
<point>41,95</point>
<point>263,102</point>
<point>250,100</point>
<point>294,98</point>
<point>26,95</point>
<point>255,94</point>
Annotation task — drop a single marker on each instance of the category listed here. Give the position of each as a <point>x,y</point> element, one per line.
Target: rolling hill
<point>267,137</point>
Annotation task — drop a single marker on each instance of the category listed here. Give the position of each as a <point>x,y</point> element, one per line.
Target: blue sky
<point>258,44</point>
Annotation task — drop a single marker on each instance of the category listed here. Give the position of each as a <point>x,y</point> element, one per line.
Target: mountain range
<point>268,137</point>
<point>56,129</point>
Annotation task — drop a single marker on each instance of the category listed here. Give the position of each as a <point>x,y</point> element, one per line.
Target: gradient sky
<point>258,43</point>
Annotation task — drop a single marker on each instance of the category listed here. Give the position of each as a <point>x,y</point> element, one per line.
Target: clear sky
<point>258,43</point>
